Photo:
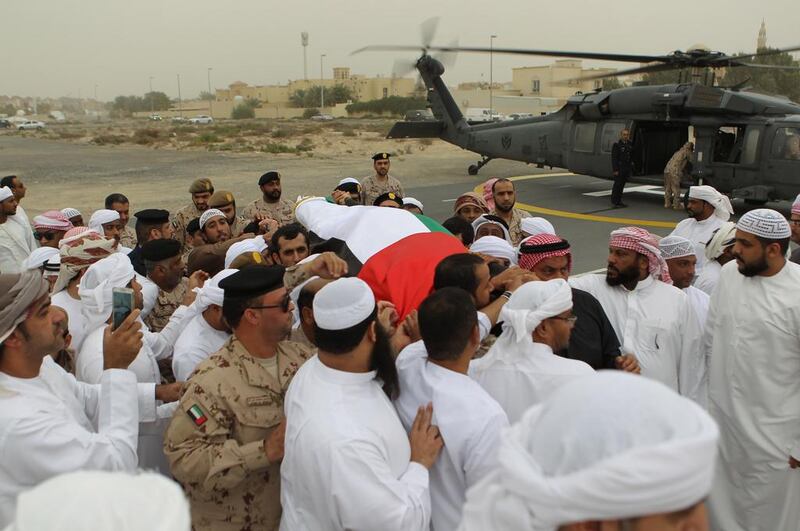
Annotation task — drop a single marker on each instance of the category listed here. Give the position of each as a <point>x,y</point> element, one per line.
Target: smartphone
<point>122,302</point>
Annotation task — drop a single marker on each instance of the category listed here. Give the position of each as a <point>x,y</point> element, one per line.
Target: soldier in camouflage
<point>505,197</point>
<point>225,442</point>
<point>201,190</point>
<point>120,203</point>
<point>270,205</point>
<point>224,201</point>
<point>675,170</point>
<point>380,182</point>
<point>165,267</point>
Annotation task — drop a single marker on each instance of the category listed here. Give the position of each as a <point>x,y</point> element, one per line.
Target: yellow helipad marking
<point>576,215</point>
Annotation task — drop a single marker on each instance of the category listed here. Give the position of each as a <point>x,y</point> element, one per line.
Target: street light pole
<point>491,75</point>
<point>321,85</point>
<point>209,90</point>
<point>152,101</point>
<point>180,103</point>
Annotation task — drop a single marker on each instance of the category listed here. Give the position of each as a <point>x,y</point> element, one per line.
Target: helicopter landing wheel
<point>473,169</point>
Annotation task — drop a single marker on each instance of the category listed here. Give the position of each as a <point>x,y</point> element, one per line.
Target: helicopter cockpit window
<point>584,136</point>
<point>736,145</point>
<point>786,144</point>
<point>609,136</point>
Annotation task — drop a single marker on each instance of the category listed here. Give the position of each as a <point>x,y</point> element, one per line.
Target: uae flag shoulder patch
<point>196,414</point>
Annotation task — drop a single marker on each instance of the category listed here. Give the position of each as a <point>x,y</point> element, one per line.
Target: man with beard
<point>224,201</point>
<point>201,190</point>
<point>593,339</point>
<point>50,227</point>
<point>434,370</point>
<point>652,319</point>
<point>289,244</point>
<point>679,254</point>
<point>270,205</point>
<point>794,223</point>
<point>470,206</point>
<point>107,223</point>
<point>754,388</point>
<point>718,252</point>
<point>226,441</point>
<point>708,210</point>
<point>164,265</point>
<point>349,463</point>
<point>17,187</point>
<point>380,182</point>
<point>151,224</point>
<point>216,233</point>
<point>51,424</point>
<point>16,238</point>
<point>120,203</point>
<point>505,197</point>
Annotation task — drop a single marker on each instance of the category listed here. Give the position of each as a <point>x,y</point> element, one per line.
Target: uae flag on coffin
<point>392,250</point>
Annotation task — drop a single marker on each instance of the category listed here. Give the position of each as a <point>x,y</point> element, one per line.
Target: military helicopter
<point>746,144</point>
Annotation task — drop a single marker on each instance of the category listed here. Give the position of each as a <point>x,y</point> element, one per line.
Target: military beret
<point>153,215</point>
<point>269,177</point>
<point>388,196</point>
<point>247,259</point>
<point>252,281</point>
<point>193,226</point>
<point>161,249</point>
<point>221,198</point>
<point>200,186</point>
<point>381,156</point>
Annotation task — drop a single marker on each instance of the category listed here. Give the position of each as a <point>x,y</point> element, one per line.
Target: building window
<point>385,92</point>
<point>535,86</point>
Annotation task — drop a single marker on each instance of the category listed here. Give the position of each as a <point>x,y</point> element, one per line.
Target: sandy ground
<point>78,174</point>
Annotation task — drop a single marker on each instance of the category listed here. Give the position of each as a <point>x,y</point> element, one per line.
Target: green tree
<point>8,109</point>
<point>769,81</point>
<point>396,105</point>
<point>312,96</point>
<point>242,112</point>
<point>207,96</point>
<point>611,83</point>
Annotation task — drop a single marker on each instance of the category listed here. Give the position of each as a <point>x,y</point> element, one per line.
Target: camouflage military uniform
<point>181,219</point>
<point>128,237</point>
<point>166,304</point>
<point>371,188</point>
<point>215,442</point>
<point>282,211</point>
<point>514,228</point>
<point>238,225</point>
<point>673,173</point>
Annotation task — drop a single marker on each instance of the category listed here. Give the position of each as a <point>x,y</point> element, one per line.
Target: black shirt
<point>593,339</point>
<point>621,157</point>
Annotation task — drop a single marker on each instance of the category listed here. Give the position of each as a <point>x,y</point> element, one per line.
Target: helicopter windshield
<point>786,144</point>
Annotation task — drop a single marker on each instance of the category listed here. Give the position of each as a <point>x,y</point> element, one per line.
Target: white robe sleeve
<point>367,496</point>
<point>692,371</point>
<point>484,325</point>
<point>49,445</point>
<point>161,343</point>
<point>482,450</point>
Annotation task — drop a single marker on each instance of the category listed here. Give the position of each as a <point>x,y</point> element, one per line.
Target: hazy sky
<point>66,47</point>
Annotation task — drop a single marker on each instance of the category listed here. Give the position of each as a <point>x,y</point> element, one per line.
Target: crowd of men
<point>260,373</point>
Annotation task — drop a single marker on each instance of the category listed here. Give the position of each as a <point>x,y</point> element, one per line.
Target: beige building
<point>363,88</point>
<point>557,80</point>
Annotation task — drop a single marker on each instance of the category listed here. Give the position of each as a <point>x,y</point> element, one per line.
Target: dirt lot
<point>63,166</point>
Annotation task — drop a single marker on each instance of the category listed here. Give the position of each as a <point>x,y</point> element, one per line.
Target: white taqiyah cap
<point>347,180</point>
<point>5,193</point>
<point>343,303</point>
<point>208,214</point>
<point>70,212</point>
<point>414,202</point>
<point>765,223</point>
<point>675,247</point>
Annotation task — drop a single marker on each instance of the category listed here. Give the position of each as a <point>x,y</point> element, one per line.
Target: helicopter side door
<point>736,156</point>
<point>783,159</point>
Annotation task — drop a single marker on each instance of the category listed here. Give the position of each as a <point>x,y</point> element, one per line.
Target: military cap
<point>381,156</point>
<point>152,215</point>
<point>200,186</point>
<point>247,259</point>
<point>161,249</point>
<point>252,281</point>
<point>193,226</point>
<point>388,196</point>
<point>221,198</point>
<point>268,177</point>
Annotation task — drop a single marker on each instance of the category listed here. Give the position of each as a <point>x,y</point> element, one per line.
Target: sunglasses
<point>572,319</point>
<point>284,305</point>
<point>44,235</point>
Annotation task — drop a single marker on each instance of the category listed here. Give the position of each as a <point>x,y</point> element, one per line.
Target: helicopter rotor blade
<point>403,67</point>
<point>428,31</point>
<point>448,59</point>
<point>630,71</point>
<point>765,53</point>
<point>767,67</point>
